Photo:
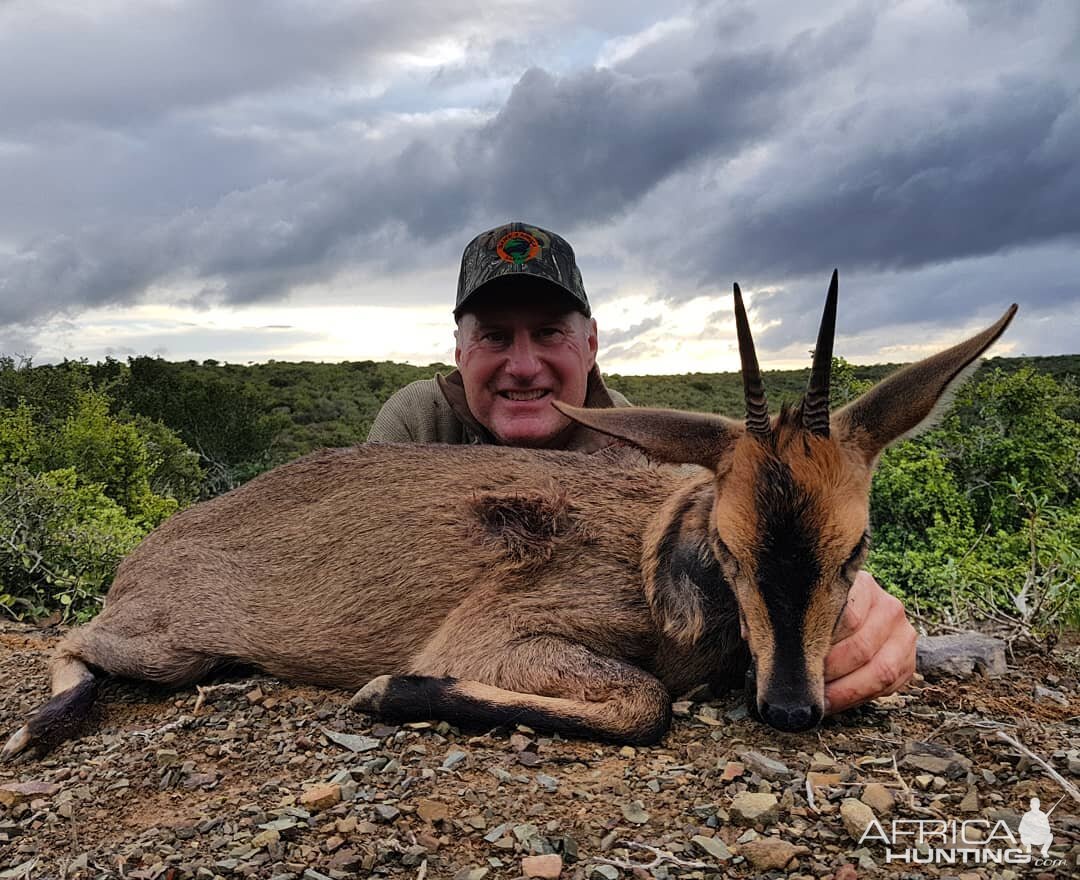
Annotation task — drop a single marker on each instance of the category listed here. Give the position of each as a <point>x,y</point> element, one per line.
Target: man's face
<point>516,358</point>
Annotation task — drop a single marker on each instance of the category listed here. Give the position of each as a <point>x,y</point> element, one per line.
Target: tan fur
<point>837,483</point>
<point>584,589</point>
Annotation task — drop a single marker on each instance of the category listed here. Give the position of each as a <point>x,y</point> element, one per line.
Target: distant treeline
<point>271,413</point>
<point>722,392</point>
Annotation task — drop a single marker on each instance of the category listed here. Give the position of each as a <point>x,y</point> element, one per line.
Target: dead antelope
<point>489,585</point>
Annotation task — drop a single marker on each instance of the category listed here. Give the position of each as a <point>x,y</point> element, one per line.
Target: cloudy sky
<point>296,180</point>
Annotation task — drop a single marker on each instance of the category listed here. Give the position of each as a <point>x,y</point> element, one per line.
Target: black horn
<point>757,409</point>
<point>815,408</point>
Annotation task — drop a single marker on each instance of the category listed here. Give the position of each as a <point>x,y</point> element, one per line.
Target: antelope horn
<point>757,409</point>
<point>815,409</point>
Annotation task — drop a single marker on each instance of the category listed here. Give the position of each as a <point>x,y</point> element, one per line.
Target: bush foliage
<point>79,488</point>
<point>978,517</point>
<point>981,516</point>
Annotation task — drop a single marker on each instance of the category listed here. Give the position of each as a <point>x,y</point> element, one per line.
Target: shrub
<point>60,542</point>
<point>981,517</point>
<point>79,488</point>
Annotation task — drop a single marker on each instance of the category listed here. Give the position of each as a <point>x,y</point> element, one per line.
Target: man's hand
<point>873,652</point>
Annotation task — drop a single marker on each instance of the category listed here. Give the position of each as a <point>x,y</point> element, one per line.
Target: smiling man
<point>526,336</point>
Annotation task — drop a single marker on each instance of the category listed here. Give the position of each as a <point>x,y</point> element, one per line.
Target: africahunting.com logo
<point>968,841</point>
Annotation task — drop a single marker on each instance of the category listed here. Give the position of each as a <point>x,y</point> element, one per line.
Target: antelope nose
<point>790,717</point>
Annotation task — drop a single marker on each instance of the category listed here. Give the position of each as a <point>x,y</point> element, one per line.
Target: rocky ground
<point>257,778</point>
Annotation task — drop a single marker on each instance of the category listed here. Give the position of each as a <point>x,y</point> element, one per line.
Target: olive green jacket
<point>435,411</point>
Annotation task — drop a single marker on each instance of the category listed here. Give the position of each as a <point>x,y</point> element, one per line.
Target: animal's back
<point>341,565</point>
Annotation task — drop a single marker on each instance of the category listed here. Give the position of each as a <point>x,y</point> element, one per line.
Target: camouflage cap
<point>519,249</point>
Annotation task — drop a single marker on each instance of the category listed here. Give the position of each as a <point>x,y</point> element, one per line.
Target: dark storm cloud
<point>998,175</point>
<point>65,64</point>
<point>1043,281</point>
<point>610,338</point>
<point>242,155</point>
<point>631,351</point>
<point>569,150</point>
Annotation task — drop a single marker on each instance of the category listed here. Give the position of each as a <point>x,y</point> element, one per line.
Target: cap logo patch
<point>517,248</point>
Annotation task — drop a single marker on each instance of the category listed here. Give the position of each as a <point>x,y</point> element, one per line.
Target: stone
<point>265,838</point>
<point>866,859</point>
<point>321,797</point>
<point>432,811</point>
<point>970,802</point>
<point>753,808</point>
<point>496,832</point>
<point>635,813</point>
<point>549,866</point>
<point>413,856</point>
<point>823,780</point>
<point>959,655</point>
<point>878,798</point>
<point>351,742</point>
<point>771,853</point>
<point>1045,693</point>
<point>281,825</point>
<point>764,766</point>
<point>732,770</point>
<point>525,833</point>
<point>856,817</point>
<point>12,793</point>
<point>548,783</point>
<point>453,759</point>
<point>846,872</point>
<point>935,759</point>
<point>712,846</point>
<point>387,812</point>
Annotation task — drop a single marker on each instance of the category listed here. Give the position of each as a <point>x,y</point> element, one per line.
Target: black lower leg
<point>63,716</point>
<point>422,697</point>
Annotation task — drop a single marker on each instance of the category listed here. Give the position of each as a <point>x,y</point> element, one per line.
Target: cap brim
<point>506,288</point>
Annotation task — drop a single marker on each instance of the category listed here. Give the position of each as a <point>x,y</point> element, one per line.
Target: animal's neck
<point>691,601</point>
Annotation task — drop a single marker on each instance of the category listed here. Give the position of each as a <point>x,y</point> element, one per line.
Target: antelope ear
<point>911,399</point>
<point>664,434</point>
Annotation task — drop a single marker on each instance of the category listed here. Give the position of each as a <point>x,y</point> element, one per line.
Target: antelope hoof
<point>369,698</point>
<point>20,739</point>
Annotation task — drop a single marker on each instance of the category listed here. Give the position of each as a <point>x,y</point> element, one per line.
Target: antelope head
<point>790,518</point>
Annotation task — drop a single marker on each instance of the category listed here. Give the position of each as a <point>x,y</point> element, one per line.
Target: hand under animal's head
<point>790,522</point>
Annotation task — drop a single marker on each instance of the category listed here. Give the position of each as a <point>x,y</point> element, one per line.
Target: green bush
<point>60,542</point>
<point>981,516</point>
<point>79,488</point>
<point>227,422</point>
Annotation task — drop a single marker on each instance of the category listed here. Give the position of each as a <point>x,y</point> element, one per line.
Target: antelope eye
<point>856,556</point>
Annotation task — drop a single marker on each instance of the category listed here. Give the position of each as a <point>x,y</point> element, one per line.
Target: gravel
<point>263,779</point>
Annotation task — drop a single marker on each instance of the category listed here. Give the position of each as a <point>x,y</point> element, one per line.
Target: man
<point>526,336</point>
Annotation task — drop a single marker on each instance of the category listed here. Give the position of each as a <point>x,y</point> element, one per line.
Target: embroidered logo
<point>517,248</point>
